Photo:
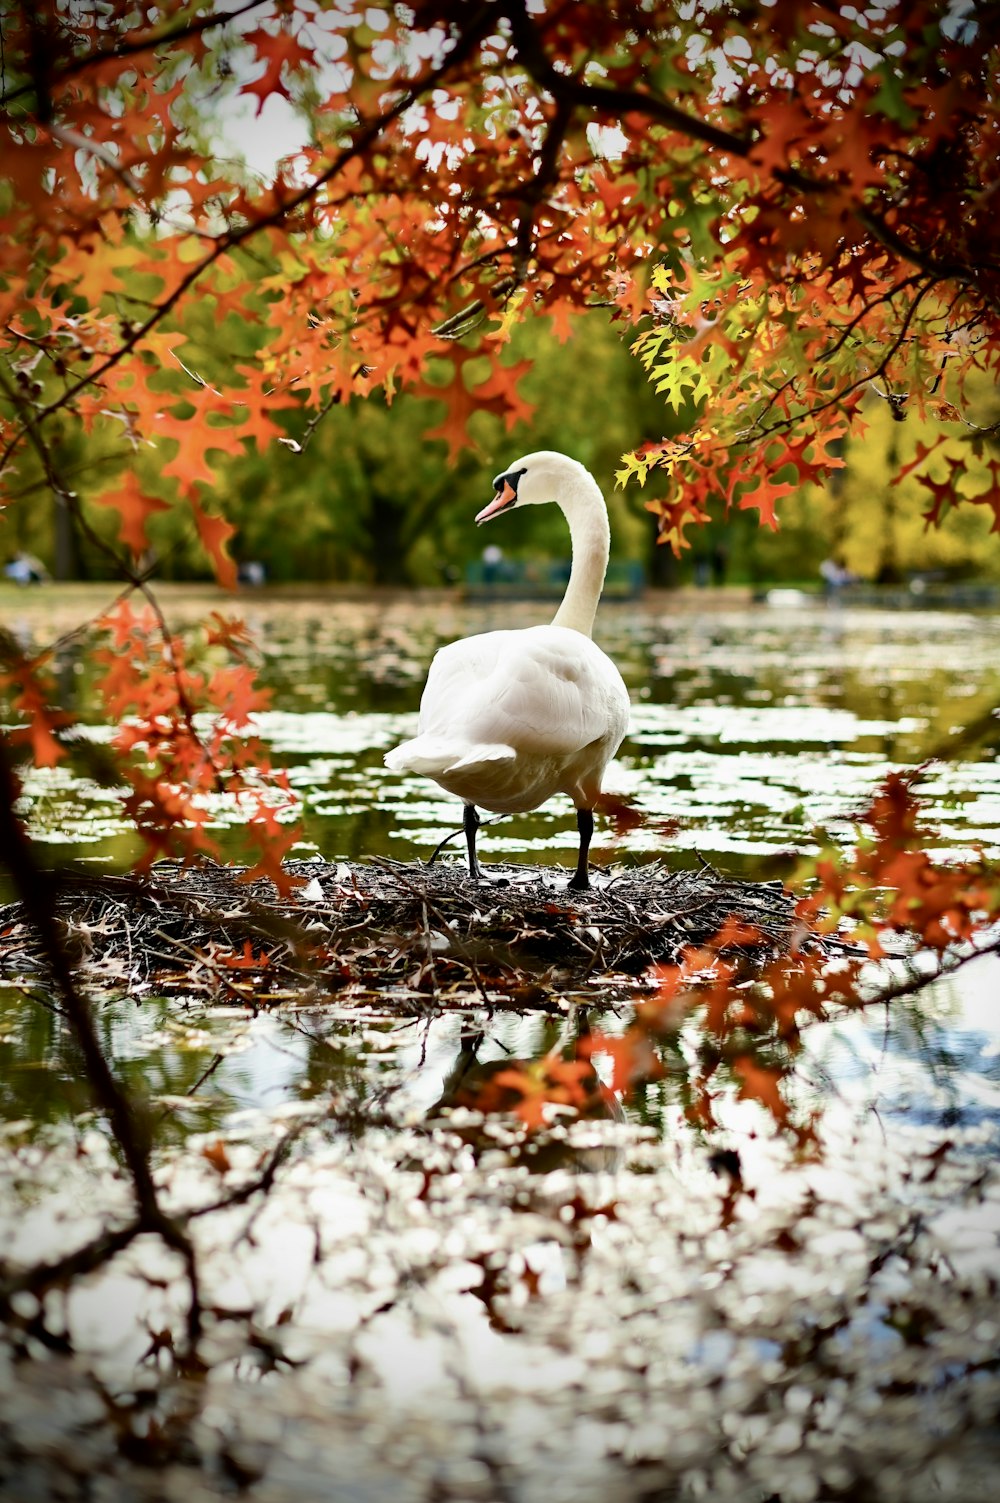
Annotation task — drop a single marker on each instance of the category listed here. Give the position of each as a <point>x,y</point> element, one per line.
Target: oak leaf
<point>215,533</point>
<point>135,508</point>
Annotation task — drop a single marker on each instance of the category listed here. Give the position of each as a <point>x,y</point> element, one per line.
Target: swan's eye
<point>508,478</point>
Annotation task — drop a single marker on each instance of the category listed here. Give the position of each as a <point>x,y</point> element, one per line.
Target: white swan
<point>509,718</point>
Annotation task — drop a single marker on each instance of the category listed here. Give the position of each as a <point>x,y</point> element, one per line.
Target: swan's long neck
<point>584,509</point>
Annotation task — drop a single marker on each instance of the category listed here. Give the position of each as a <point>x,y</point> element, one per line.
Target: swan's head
<point>533,480</point>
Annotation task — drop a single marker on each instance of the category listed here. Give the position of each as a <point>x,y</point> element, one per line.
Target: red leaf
<point>497,394</point>
<point>634,1060</point>
<point>136,508</point>
<point>215,533</point>
<point>34,701</point>
<point>761,1083</point>
<point>275,52</point>
<point>217,1156</point>
<point>245,959</point>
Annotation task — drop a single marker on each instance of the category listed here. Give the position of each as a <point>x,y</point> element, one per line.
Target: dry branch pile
<point>425,931</point>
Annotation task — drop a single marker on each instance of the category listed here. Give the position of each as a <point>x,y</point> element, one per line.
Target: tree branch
<point>479,23</point>
<point>146,42</point>
<point>757,431</point>
<point>605,100</point>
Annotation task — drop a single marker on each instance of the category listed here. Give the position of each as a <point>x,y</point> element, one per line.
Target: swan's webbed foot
<point>471,822</point>
<point>580,881</point>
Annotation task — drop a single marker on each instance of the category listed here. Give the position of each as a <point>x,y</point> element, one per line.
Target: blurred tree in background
<point>370,500</point>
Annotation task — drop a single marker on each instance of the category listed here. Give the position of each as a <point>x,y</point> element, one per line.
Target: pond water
<point>443,1308</point>
<point>750,727</point>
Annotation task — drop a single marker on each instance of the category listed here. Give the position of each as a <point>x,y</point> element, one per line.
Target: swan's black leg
<point>585,824</point>
<point>471,822</point>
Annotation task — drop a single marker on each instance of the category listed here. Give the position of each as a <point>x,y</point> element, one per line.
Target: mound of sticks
<point>423,932</point>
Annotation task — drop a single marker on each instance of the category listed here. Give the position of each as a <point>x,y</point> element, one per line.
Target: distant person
<point>720,563</point>
<point>492,563</point>
<point>252,572</point>
<point>835,575</point>
<point>25,569</point>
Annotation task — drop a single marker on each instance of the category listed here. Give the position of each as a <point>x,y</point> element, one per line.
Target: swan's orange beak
<point>500,502</point>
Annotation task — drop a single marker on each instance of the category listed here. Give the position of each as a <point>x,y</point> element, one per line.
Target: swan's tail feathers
<point>498,751</point>
<point>434,755</point>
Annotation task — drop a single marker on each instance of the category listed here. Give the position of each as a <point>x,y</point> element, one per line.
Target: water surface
<point>750,726</point>
<point>444,1308</point>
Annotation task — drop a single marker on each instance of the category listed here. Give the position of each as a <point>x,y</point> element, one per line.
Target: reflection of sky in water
<point>656,1332</point>
<point>934,1062</point>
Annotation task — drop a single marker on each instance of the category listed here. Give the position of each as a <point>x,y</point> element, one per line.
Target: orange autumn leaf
<point>215,533</point>
<point>496,393</point>
<point>32,700</point>
<point>761,1083</point>
<point>891,883</point>
<point>529,1089</point>
<point>135,508</point>
<point>634,1059</point>
<point>276,51</point>
<point>217,1156</point>
<point>245,959</point>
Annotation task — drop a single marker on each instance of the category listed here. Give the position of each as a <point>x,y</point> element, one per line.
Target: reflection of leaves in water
<point>745,1341</point>
<point>537,1090</point>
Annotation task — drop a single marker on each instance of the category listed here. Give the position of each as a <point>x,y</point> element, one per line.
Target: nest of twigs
<point>421,932</point>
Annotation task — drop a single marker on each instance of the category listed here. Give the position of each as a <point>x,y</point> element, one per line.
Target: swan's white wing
<point>546,691</point>
<point>431,755</point>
